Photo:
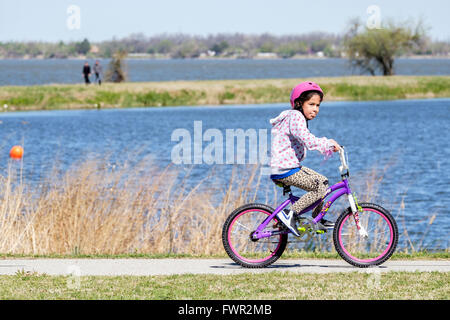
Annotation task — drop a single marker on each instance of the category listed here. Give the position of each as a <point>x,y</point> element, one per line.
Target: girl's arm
<point>297,126</point>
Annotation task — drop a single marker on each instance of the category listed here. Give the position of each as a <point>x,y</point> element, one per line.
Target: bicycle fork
<point>354,206</point>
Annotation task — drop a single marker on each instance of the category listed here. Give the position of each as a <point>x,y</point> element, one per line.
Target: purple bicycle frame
<point>343,188</point>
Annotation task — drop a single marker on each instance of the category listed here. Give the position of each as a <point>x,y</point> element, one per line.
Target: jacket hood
<point>283,115</point>
<point>280,118</point>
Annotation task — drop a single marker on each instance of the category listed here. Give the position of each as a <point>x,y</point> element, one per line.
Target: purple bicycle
<point>364,234</point>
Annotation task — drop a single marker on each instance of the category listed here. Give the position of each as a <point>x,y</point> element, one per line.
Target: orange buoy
<point>16,152</point>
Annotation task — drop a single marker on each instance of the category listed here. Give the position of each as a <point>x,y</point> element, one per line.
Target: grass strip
<point>216,92</point>
<point>272,285</point>
<point>289,254</point>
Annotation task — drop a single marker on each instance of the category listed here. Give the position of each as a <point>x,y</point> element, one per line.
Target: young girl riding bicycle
<point>365,234</point>
<point>290,140</point>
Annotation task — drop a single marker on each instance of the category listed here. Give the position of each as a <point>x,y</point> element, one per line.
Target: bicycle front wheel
<point>366,250</point>
<point>238,243</point>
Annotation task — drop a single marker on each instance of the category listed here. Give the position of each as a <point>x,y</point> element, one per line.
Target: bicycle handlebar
<point>343,158</point>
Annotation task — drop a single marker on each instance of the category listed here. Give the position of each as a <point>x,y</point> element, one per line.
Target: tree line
<point>220,45</point>
<point>368,49</point>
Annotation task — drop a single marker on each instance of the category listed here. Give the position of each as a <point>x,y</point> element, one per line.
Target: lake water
<point>34,72</point>
<point>407,138</point>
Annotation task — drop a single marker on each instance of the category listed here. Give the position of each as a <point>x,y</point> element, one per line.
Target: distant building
<point>139,55</point>
<point>207,54</point>
<point>266,55</point>
<point>94,49</point>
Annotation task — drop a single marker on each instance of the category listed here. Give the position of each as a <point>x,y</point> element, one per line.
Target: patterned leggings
<point>308,180</point>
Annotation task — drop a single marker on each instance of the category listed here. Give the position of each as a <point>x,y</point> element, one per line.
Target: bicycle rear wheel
<point>237,241</point>
<point>374,249</point>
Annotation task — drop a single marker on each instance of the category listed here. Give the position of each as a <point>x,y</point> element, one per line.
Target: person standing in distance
<point>98,72</point>
<point>86,73</point>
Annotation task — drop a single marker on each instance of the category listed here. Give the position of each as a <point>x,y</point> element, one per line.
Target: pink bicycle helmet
<point>302,87</point>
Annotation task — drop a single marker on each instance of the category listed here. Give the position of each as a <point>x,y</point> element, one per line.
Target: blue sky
<point>46,20</point>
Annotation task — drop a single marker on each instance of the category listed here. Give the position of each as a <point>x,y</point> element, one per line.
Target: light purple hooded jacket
<point>290,139</point>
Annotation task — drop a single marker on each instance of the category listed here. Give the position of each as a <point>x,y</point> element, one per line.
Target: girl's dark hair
<point>305,96</point>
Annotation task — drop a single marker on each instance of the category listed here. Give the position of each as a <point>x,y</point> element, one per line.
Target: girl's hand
<point>336,145</point>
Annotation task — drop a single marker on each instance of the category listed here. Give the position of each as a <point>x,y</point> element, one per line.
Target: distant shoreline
<point>149,57</point>
<point>215,92</point>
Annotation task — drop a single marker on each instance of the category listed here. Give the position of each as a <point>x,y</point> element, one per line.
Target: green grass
<point>288,254</point>
<point>270,285</point>
<point>217,92</point>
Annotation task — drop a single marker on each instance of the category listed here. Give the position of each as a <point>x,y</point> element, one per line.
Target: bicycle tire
<point>230,247</point>
<point>386,253</point>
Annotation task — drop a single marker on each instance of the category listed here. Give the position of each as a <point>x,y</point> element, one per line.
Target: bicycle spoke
<point>369,232</point>
<point>268,241</point>
<point>241,225</point>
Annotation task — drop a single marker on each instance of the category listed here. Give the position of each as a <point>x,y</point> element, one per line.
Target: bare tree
<point>375,49</point>
<point>116,69</point>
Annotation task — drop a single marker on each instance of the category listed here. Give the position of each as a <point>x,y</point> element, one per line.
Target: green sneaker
<point>323,224</point>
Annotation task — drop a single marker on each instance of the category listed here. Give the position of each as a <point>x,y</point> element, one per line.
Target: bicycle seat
<point>286,188</point>
<point>278,183</point>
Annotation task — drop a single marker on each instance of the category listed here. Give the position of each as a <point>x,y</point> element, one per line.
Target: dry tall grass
<point>95,208</point>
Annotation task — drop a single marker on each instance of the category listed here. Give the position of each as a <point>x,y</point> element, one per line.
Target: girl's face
<point>311,107</point>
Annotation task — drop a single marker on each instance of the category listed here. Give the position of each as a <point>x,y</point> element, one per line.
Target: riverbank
<point>215,92</point>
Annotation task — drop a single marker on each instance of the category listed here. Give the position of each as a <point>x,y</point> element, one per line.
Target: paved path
<point>147,267</point>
